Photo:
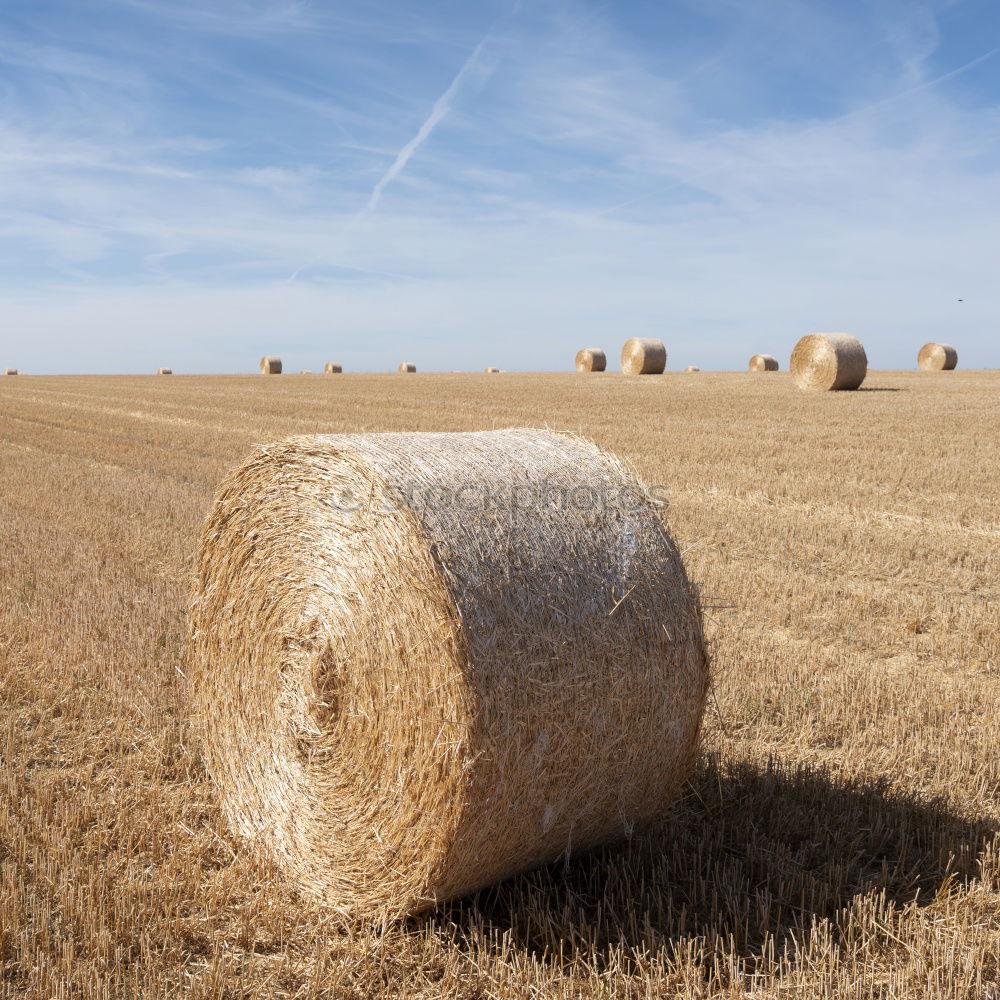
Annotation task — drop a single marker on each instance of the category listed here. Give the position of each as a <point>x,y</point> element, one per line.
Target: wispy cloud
<point>442,106</point>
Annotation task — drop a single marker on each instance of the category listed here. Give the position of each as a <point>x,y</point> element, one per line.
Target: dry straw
<point>164,371</point>
<point>692,368</point>
<point>10,371</point>
<point>492,371</point>
<point>826,361</point>
<point>332,368</point>
<point>591,359</point>
<point>764,363</point>
<point>644,356</point>
<point>422,663</point>
<point>406,368</point>
<point>270,365</point>
<point>937,357</point>
<point>305,371</point>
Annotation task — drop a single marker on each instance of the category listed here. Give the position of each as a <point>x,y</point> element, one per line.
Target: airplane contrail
<point>440,110</point>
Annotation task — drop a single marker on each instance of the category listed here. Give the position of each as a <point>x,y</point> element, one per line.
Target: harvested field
<point>838,838</point>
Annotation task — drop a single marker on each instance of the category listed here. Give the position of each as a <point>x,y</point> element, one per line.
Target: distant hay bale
<point>828,361</point>
<point>164,371</point>
<point>270,365</point>
<point>491,371</point>
<point>937,357</point>
<point>764,363</point>
<point>418,669</point>
<point>305,371</point>
<point>406,368</point>
<point>332,368</point>
<point>692,368</point>
<point>10,371</point>
<point>644,356</point>
<point>591,359</point>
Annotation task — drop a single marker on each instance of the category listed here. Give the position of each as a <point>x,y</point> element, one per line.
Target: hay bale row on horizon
<point>10,371</point>
<point>571,714</point>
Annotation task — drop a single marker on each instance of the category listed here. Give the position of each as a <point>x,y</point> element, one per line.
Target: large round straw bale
<point>591,359</point>
<point>492,371</point>
<point>937,357</point>
<point>10,371</point>
<point>270,365</point>
<point>826,361</point>
<point>692,368</point>
<point>644,356</point>
<point>164,371</point>
<point>422,663</point>
<point>407,367</point>
<point>764,363</point>
<point>332,368</point>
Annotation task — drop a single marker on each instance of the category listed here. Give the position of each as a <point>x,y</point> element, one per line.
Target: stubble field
<point>838,837</point>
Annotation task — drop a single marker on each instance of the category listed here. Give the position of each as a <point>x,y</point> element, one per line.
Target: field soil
<point>838,838</point>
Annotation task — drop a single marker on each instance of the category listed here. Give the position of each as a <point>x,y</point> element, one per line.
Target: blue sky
<point>460,184</point>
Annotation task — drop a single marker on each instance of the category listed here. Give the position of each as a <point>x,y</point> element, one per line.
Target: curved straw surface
<point>937,357</point>
<point>332,368</point>
<point>644,356</point>
<point>826,361</point>
<point>425,662</point>
<point>270,365</point>
<point>591,359</point>
<point>764,363</point>
<point>164,371</point>
<point>406,368</point>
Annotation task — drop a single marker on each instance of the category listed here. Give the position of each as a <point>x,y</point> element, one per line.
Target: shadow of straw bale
<point>750,853</point>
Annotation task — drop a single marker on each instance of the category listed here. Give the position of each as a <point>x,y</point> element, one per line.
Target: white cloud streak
<point>442,106</point>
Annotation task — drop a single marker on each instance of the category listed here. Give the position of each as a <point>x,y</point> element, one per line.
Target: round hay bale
<point>937,358</point>
<point>406,368</point>
<point>692,368</point>
<point>421,663</point>
<point>270,365</point>
<point>332,368</point>
<point>764,363</point>
<point>10,371</point>
<point>591,359</point>
<point>644,356</point>
<point>827,361</point>
<point>491,371</point>
<point>305,371</point>
<point>164,371</point>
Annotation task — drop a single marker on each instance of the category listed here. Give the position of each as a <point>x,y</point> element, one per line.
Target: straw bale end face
<point>764,363</point>
<point>829,361</point>
<point>937,358</point>
<point>644,356</point>
<point>591,359</point>
<point>422,663</point>
<point>270,365</point>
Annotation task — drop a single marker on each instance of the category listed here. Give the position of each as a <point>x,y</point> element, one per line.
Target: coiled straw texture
<point>591,359</point>
<point>827,361</point>
<point>644,356</point>
<point>937,358</point>
<point>422,663</point>
<point>764,363</point>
